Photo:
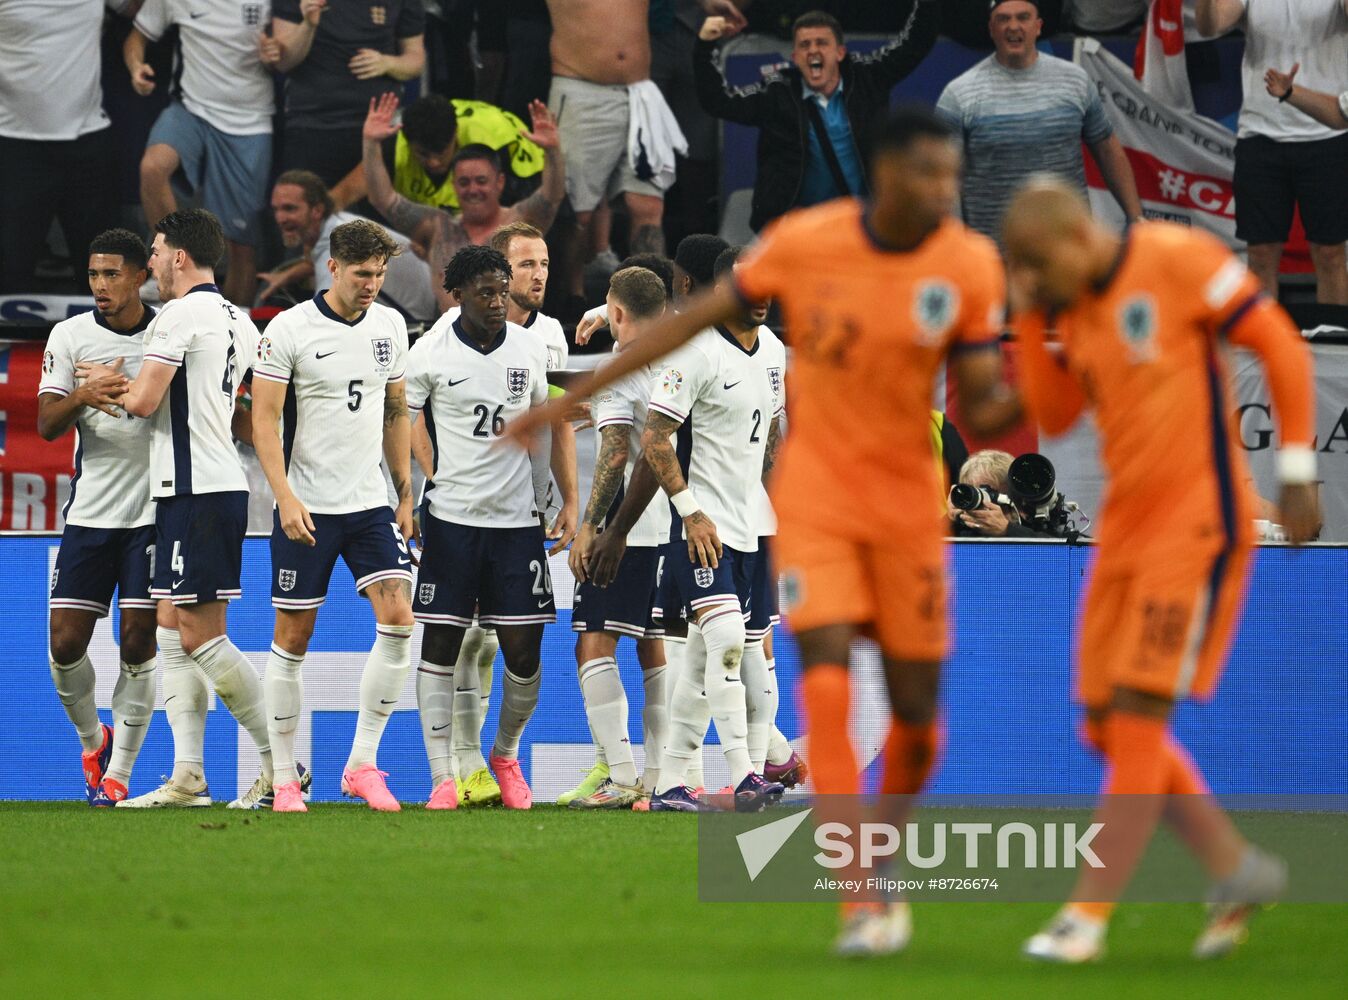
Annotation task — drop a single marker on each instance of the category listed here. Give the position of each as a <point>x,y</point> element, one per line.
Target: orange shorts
<point>893,595</point>
<point>1164,628</point>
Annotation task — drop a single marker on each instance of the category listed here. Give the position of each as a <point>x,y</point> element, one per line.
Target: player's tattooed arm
<point>398,451</point>
<point>704,545</point>
<point>446,239</point>
<point>609,465</point>
<point>774,443</point>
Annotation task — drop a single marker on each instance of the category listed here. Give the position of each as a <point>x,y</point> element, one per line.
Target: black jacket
<point>776,107</point>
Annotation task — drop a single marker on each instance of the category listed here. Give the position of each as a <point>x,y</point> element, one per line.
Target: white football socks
<point>186,699</point>
<point>240,688</point>
<point>519,698</point>
<point>283,686</point>
<point>472,672</point>
<point>723,631</point>
<point>654,724</point>
<point>695,650</point>
<point>381,684</point>
<point>760,700</point>
<point>606,707</point>
<point>132,708</point>
<point>75,687</point>
<point>435,708</point>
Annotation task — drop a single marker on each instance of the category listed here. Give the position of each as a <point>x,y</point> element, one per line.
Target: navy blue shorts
<point>625,605</point>
<point>368,541</point>
<point>669,603</point>
<point>502,573</point>
<point>93,562</point>
<point>199,546</point>
<point>700,587</point>
<point>763,610</point>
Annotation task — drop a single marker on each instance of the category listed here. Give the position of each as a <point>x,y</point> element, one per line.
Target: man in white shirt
<point>332,368</point>
<point>55,139</point>
<point>217,130</point>
<point>623,607</point>
<point>108,541</point>
<point>1286,160</point>
<point>197,350</point>
<point>553,457</point>
<point>482,534</point>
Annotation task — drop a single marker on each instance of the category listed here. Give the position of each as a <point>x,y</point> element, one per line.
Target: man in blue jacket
<point>813,116</point>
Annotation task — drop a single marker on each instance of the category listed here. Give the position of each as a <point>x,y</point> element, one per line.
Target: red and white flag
<point>1159,63</point>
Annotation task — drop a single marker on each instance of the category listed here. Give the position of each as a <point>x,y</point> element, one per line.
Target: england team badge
<point>252,14</point>
<point>285,579</point>
<point>775,380</point>
<point>383,351</point>
<point>704,577</point>
<point>934,310</point>
<point>54,574</point>
<point>517,381</point>
<point>426,593</point>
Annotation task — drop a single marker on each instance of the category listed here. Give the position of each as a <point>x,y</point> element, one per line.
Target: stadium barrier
<point>1279,724</point>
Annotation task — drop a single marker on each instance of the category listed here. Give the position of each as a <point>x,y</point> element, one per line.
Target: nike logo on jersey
<point>451,383</point>
<point>730,385</point>
<point>195,16</point>
<point>320,357</point>
<point>404,562</point>
<point>545,604</point>
<point>436,729</point>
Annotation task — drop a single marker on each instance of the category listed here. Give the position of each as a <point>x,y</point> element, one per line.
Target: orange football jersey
<point>869,330</point>
<point>1146,350</point>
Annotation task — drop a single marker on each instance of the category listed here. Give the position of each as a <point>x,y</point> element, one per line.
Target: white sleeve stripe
<point>259,373</point>
<point>53,390</point>
<point>397,378</point>
<point>668,411</point>
<point>414,406</point>
<point>164,360</point>
<point>609,421</point>
<point>1223,285</point>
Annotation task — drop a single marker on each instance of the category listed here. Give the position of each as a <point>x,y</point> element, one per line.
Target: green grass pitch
<point>486,903</point>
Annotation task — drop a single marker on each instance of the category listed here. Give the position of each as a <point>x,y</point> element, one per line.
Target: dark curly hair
<point>124,242</point>
<point>472,261</point>
<point>430,122</point>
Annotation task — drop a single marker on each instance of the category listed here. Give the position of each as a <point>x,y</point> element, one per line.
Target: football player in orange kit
<point>1144,321</point>
<point>876,296</point>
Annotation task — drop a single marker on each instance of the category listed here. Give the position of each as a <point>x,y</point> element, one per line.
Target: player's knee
<point>440,644</point>
<point>138,640</point>
<point>723,632</point>
<point>522,665</point>
<point>67,644</point>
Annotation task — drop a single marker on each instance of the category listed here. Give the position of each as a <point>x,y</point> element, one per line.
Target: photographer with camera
<point>1001,497</point>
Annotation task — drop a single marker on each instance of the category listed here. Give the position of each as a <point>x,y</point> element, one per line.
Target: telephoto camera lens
<point>966,497</point>
<point>1031,478</point>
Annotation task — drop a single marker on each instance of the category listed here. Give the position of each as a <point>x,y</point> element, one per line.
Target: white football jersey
<point>333,421</point>
<point>774,358</point>
<point>725,398</point>
<point>559,353</point>
<point>467,396</point>
<point>212,343</point>
<point>218,75</point>
<point>625,403</point>
<point>111,488</point>
<point>409,285</point>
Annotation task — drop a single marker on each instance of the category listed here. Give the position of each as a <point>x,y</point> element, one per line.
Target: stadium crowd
<point>447,211</point>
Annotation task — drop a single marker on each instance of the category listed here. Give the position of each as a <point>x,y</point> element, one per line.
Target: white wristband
<point>1296,464</point>
<point>685,503</point>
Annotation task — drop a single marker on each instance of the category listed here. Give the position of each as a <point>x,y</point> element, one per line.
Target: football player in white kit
<point>623,607</point>
<point>483,546</point>
<point>554,458</point>
<point>108,541</point>
<point>721,393</point>
<point>331,369</point>
<point>197,350</point>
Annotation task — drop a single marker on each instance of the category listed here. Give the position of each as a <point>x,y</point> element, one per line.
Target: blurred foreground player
<point>1144,322</point>
<point>108,541</point>
<point>876,297</point>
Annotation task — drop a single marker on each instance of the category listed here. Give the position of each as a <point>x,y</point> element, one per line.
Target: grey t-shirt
<point>322,92</point>
<point>1016,123</point>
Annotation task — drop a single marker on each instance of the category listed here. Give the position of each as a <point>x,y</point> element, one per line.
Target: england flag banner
<point>1183,161</point>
